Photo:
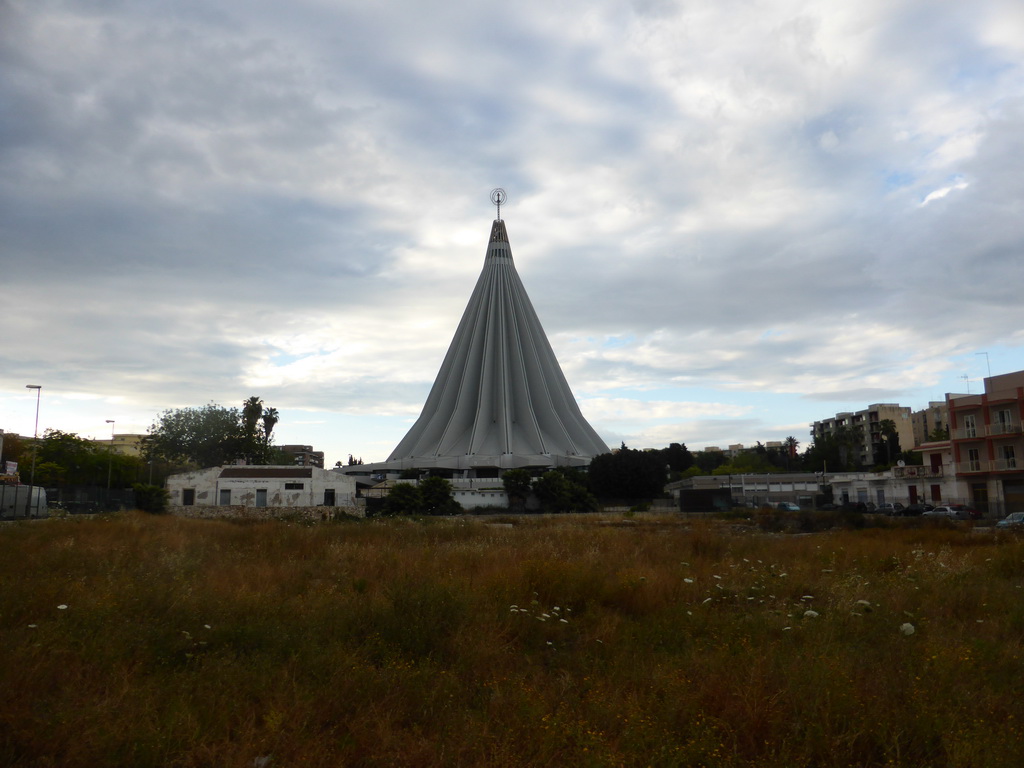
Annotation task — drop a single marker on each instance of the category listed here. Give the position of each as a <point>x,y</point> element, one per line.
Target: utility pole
<point>35,449</point>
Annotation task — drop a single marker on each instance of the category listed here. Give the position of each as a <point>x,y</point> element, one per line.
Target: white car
<point>941,512</point>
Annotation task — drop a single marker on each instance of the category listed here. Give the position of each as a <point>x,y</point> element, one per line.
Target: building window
<point>225,497</point>
<point>188,497</point>
<point>261,497</point>
<point>294,486</point>
<point>1003,423</point>
<point>1007,457</point>
<point>973,460</point>
<point>970,428</point>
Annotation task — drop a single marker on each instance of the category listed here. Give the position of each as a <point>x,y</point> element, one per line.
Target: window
<point>261,497</point>
<point>188,497</point>
<point>973,460</point>
<point>970,429</point>
<point>1007,457</point>
<point>225,497</point>
<point>1003,422</point>
<point>294,486</point>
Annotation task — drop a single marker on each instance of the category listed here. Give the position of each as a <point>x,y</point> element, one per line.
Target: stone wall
<point>238,512</point>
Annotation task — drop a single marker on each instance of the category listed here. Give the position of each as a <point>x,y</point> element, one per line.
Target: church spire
<point>500,398</point>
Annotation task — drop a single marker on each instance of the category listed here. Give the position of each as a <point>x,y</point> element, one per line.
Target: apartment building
<point>927,420</point>
<point>987,442</point>
<point>304,455</point>
<point>869,422</point>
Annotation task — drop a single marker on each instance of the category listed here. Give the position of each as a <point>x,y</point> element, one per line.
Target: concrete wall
<point>237,512</point>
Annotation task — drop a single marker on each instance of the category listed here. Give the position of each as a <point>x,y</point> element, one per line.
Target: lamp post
<point>35,449</point>
<point>110,458</point>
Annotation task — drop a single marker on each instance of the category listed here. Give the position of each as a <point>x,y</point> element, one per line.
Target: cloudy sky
<point>734,217</point>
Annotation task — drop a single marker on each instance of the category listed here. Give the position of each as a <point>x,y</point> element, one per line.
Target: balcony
<point>1004,465</point>
<point>926,472</point>
<point>1004,428</point>
<point>965,467</point>
<point>966,433</point>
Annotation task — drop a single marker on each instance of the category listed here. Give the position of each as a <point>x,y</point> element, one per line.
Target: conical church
<point>500,400</point>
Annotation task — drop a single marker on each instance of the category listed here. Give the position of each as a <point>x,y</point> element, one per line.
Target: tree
<point>517,488</point>
<point>677,457</point>
<point>563,490</point>
<point>403,499</point>
<point>627,474</point>
<point>889,435</point>
<point>213,435</point>
<point>270,419</point>
<point>436,497</point>
<point>790,444</point>
<point>206,437</point>
<point>849,441</point>
<point>150,498</point>
<point>708,461</point>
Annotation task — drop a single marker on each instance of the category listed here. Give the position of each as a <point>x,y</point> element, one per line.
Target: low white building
<point>262,486</point>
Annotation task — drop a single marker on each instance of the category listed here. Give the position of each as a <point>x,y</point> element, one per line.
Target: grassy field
<point>581,641</point>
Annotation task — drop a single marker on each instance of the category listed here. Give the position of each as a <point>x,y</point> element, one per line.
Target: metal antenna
<point>498,197</point>
<point>987,363</point>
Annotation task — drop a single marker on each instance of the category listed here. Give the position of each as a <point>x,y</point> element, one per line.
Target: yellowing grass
<point>555,641</point>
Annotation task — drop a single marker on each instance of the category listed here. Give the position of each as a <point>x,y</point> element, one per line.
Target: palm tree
<point>252,410</point>
<point>790,444</point>
<point>270,419</point>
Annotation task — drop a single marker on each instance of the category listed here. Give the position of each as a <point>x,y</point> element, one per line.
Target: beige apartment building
<point>987,443</point>
<point>869,423</point>
<point>927,420</point>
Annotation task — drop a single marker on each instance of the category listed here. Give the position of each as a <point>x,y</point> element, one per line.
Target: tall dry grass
<point>551,641</point>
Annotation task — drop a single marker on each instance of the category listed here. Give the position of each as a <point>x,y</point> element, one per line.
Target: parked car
<point>942,511</point>
<point>890,508</point>
<point>964,512</point>
<point>788,506</point>
<point>1015,520</point>
<point>915,509</point>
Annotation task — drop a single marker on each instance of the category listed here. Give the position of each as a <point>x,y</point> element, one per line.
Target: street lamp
<point>35,449</point>
<point>110,458</point>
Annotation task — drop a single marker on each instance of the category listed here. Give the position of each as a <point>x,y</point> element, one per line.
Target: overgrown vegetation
<point>560,640</point>
<point>212,435</point>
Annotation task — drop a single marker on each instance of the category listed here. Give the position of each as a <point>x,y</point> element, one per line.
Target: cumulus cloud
<point>731,217</point>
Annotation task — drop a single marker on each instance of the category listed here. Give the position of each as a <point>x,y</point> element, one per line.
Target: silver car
<point>942,512</point>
